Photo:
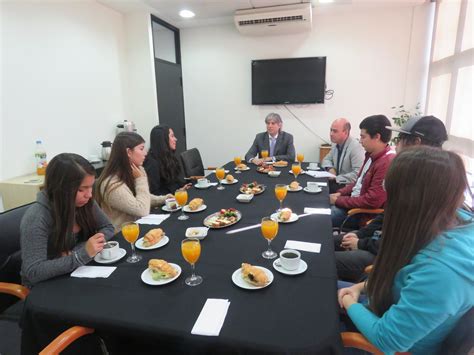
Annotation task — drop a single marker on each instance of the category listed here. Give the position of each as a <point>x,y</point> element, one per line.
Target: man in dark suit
<point>279,144</point>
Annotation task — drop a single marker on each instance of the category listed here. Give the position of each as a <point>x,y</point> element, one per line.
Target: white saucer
<point>166,209</point>
<point>302,172</point>
<point>202,187</point>
<point>225,182</point>
<point>226,171</point>
<point>161,243</point>
<point>247,168</point>
<point>98,258</point>
<point>296,190</point>
<point>312,192</point>
<point>188,210</point>
<point>302,268</point>
<point>239,281</point>
<point>294,217</point>
<point>146,277</point>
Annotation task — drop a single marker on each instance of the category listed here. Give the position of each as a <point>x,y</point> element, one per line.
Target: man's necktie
<point>272,146</point>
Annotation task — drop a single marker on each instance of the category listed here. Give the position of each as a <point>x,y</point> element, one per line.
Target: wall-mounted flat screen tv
<point>288,81</point>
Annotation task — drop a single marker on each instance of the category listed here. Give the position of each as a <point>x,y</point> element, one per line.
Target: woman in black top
<point>165,173</point>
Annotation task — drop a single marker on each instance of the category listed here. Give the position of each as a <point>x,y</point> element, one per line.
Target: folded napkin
<point>311,210</point>
<point>211,318</point>
<point>322,184</point>
<point>304,246</point>
<point>155,219</point>
<point>320,174</point>
<point>93,272</point>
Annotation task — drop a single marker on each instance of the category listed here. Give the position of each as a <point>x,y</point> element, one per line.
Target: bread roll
<point>294,185</point>
<point>152,237</point>
<point>285,215</point>
<point>253,275</point>
<point>195,203</point>
<point>160,269</point>
<point>229,178</point>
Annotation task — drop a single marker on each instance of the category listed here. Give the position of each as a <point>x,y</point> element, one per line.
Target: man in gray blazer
<point>278,143</point>
<point>346,156</point>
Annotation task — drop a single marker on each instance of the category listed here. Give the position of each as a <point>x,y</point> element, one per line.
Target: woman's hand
<point>136,172</point>
<point>348,295</point>
<point>95,244</point>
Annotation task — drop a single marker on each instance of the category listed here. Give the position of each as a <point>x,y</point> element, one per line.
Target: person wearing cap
<point>357,250</point>
<point>279,144</point>
<point>345,157</point>
<point>367,191</point>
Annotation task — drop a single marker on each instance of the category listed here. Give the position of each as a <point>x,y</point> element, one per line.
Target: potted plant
<point>401,115</point>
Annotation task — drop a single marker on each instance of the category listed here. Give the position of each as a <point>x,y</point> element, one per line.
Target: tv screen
<point>288,81</point>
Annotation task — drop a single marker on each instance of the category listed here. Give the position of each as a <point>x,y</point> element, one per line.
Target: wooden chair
<point>356,211</point>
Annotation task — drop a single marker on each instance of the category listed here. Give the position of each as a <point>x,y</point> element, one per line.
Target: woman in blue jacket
<point>422,282</point>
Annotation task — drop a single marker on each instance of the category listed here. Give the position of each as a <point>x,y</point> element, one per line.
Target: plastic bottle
<point>40,155</point>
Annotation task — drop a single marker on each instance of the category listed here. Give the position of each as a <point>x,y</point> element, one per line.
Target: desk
<point>295,314</point>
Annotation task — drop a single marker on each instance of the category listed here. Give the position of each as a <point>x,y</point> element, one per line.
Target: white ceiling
<point>209,12</point>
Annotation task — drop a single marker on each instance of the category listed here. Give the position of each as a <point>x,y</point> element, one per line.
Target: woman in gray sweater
<point>65,228</point>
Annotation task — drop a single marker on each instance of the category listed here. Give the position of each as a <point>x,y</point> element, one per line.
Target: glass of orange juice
<point>237,161</point>
<point>131,231</point>
<point>300,157</point>
<point>264,154</point>
<point>269,229</point>
<point>220,174</point>
<point>280,193</point>
<point>191,250</point>
<point>181,197</point>
<point>296,169</point>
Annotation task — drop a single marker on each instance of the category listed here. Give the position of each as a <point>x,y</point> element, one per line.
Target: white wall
<point>369,66</point>
<point>62,79</point>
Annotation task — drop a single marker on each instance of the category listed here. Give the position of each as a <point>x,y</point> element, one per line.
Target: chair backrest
<point>461,339</point>
<point>192,163</point>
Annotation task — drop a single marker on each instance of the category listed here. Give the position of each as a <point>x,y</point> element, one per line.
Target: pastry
<point>152,237</point>
<point>285,215</point>
<point>230,179</point>
<point>160,269</point>
<point>294,185</point>
<point>241,166</point>
<point>254,275</point>
<point>195,203</point>
<point>280,163</point>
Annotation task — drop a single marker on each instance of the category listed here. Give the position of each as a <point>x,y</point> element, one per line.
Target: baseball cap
<point>426,127</point>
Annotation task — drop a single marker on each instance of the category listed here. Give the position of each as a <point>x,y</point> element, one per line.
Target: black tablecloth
<point>295,314</point>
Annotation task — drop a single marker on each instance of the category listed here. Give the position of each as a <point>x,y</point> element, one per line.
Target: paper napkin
<point>311,210</point>
<point>93,272</point>
<point>304,246</point>
<point>320,174</point>
<point>154,219</point>
<point>211,318</point>
<point>322,184</point>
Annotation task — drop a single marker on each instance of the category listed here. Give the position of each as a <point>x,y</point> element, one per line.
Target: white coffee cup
<point>313,166</point>
<point>290,259</point>
<point>312,186</point>
<point>171,204</point>
<point>110,251</point>
<point>202,182</point>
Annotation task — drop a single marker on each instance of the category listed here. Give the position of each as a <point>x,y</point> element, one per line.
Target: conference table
<point>293,315</point>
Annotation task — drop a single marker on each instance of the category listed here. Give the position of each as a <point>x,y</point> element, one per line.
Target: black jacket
<point>158,186</point>
<point>370,236</point>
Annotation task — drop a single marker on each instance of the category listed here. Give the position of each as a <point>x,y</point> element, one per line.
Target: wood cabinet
<point>323,151</point>
<point>20,190</point>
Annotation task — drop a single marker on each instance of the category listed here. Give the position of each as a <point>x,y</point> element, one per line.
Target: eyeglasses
<point>401,137</point>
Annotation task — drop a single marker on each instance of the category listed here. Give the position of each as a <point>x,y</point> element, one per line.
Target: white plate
<point>312,192</point>
<point>302,172</point>
<point>146,277</point>
<point>225,182</point>
<point>302,268</point>
<point>247,168</point>
<point>161,243</point>
<point>294,217</point>
<point>121,253</point>
<point>239,281</point>
<point>187,209</point>
<point>295,190</point>
<point>166,209</point>
<point>202,232</point>
<point>226,171</point>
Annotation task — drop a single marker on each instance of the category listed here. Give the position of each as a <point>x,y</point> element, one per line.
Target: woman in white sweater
<point>122,189</point>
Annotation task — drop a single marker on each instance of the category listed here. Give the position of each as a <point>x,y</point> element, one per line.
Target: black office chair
<point>192,164</point>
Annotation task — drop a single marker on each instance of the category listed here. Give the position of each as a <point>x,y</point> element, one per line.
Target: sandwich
<point>294,185</point>
<point>285,215</point>
<point>241,166</point>
<point>195,203</point>
<point>254,275</point>
<point>152,237</point>
<point>161,270</point>
<point>230,179</point>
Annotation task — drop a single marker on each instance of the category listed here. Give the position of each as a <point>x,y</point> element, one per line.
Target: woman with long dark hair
<point>65,228</point>
<point>164,170</point>
<point>122,188</point>
<point>422,281</point>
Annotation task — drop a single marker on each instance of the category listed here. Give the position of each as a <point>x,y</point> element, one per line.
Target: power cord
<point>304,125</point>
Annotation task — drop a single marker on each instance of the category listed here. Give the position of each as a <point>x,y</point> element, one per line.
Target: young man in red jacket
<point>367,191</point>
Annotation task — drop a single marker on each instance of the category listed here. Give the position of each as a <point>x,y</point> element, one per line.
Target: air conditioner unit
<point>274,20</point>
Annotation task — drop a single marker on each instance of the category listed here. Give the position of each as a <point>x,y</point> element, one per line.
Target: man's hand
<point>332,171</point>
<point>257,161</point>
<point>349,241</point>
<point>95,244</point>
<point>333,198</point>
